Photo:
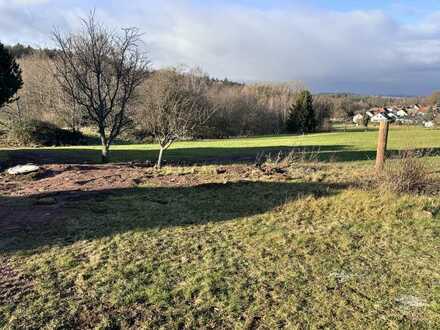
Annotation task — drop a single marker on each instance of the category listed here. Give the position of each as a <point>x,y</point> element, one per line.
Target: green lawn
<point>226,253</point>
<point>342,146</point>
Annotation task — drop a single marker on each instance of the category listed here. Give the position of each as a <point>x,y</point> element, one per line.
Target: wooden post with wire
<point>382,145</point>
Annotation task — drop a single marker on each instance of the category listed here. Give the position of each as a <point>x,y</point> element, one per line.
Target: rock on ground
<point>23,169</point>
<point>411,301</point>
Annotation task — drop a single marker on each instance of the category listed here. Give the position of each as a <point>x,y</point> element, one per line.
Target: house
<point>414,110</point>
<point>429,124</point>
<point>358,119</point>
<point>424,109</point>
<point>383,115</point>
<point>370,114</point>
<point>401,113</point>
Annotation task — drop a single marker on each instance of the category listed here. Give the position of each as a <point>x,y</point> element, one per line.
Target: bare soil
<point>69,178</point>
<point>43,197</point>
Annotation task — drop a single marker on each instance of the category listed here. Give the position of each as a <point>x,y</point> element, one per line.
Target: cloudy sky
<point>369,47</point>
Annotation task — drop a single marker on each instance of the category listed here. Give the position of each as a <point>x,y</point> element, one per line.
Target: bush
<point>408,174</point>
<point>36,132</point>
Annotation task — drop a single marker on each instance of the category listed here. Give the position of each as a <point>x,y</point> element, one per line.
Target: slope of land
<point>310,244</point>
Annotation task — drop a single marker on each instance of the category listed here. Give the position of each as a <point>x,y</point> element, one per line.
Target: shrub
<point>408,174</point>
<point>36,132</point>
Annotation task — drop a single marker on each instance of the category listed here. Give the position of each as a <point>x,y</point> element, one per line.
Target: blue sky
<point>368,47</point>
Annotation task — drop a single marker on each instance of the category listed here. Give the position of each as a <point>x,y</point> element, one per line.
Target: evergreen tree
<point>10,76</point>
<point>295,120</point>
<point>302,117</point>
<point>309,112</point>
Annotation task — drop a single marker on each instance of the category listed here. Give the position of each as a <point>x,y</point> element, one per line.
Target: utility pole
<point>382,145</point>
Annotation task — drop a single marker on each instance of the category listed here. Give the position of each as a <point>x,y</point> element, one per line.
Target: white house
<point>384,115</point>
<point>370,114</point>
<point>357,119</point>
<point>402,113</point>
<point>378,117</point>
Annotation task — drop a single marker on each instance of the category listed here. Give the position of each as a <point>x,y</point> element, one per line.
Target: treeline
<point>96,78</point>
<point>19,51</point>
<point>240,109</point>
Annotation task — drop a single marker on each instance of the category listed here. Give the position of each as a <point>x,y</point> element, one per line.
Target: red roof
<point>424,109</point>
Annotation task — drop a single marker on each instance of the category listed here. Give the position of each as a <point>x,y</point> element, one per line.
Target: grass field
<point>340,146</point>
<point>194,248</point>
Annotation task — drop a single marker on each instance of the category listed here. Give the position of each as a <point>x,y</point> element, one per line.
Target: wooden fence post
<point>382,145</point>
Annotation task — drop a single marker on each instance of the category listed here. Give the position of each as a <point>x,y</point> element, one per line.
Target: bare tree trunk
<point>105,149</point>
<point>104,154</point>
<point>159,159</point>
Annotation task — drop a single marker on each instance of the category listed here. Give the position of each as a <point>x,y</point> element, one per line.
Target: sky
<point>367,47</point>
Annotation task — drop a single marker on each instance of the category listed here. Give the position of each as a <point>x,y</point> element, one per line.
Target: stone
<point>23,169</point>
<point>341,277</point>
<point>424,214</point>
<point>411,301</point>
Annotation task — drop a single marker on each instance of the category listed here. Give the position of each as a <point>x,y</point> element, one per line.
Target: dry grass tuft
<point>283,159</point>
<point>408,174</point>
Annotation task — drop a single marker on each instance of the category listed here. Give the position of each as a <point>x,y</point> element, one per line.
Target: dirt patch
<point>44,198</point>
<point>50,195</point>
<point>59,179</point>
<point>68,178</point>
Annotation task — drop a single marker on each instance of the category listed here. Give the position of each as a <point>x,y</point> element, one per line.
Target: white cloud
<point>362,51</point>
<point>29,2</point>
<point>21,3</point>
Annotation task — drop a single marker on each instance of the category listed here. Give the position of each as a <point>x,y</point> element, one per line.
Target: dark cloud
<point>360,51</point>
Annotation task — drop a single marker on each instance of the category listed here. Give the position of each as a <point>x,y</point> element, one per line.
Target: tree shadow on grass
<point>219,156</point>
<point>26,223</point>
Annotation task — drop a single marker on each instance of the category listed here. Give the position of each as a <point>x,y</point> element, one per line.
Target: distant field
<point>351,145</point>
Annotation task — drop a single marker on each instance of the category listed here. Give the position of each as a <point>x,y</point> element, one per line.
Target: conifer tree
<point>302,117</point>
<point>10,76</point>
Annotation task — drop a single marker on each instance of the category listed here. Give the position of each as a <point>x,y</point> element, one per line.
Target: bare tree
<point>100,70</point>
<point>175,106</point>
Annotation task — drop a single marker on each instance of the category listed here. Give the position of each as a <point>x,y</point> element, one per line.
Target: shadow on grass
<point>27,224</point>
<point>220,156</point>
